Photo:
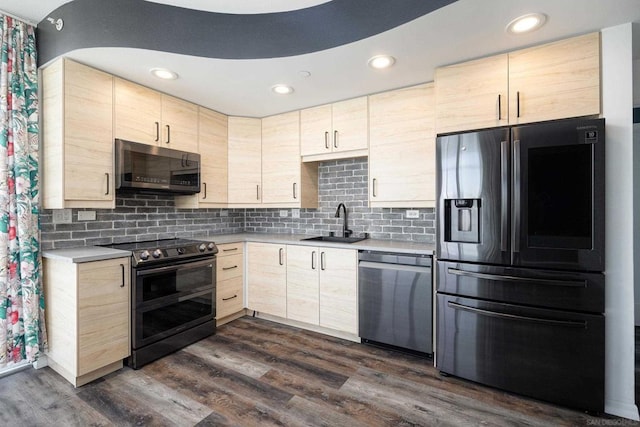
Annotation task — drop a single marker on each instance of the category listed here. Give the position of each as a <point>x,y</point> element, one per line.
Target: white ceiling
<point>461,31</point>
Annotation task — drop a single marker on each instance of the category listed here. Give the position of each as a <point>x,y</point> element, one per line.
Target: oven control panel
<point>192,249</point>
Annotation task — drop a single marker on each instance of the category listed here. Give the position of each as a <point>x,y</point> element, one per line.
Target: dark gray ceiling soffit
<point>153,26</point>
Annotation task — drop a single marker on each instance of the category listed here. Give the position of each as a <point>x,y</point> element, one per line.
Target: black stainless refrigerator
<point>520,259</point>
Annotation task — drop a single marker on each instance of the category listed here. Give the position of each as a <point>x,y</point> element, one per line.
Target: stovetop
<point>166,250</point>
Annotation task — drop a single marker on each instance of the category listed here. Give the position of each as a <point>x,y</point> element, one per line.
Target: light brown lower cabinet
<point>229,282</point>
<point>87,317</point>
<point>267,278</point>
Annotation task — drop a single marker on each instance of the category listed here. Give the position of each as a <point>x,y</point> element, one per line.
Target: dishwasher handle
<point>396,267</point>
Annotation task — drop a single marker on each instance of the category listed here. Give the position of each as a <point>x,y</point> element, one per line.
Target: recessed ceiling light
<point>163,73</point>
<point>282,89</point>
<point>381,61</point>
<point>526,23</point>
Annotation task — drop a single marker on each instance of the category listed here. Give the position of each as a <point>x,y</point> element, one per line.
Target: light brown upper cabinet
<point>149,117</point>
<point>245,162</point>
<point>334,131</point>
<point>77,137</point>
<point>402,148</point>
<point>212,146</point>
<point>551,81</point>
<point>285,180</point>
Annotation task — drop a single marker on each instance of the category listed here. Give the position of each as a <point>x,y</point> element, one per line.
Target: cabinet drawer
<point>229,297</point>
<point>229,267</point>
<point>226,249</point>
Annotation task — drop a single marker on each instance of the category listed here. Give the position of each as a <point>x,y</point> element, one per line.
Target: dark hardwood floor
<point>257,373</point>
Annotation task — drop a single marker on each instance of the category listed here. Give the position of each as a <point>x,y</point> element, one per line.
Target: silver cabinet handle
<point>257,192</point>
<point>108,189</point>
<point>499,107</point>
<point>295,192</point>
<point>168,134</point>
<point>374,187</point>
<point>157,131</point>
<point>335,139</point>
<point>326,140</point>
<point>518,104</point>
<point>204,184</point>
<point>123,282</point>
<point>280,259</point>
<point>313,260</point>
<point>323,261</point>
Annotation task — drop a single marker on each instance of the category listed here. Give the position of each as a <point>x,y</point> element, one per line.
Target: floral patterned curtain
<point>22,332</point>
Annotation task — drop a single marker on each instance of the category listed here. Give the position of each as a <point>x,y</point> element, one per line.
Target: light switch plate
<point>86,215</point>
<point>283,213</point>
<point>62,216</point>
<point>412,213</point>
<point>295,213</point>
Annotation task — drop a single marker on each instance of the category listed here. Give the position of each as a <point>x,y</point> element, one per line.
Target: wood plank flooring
<point>258,373</point>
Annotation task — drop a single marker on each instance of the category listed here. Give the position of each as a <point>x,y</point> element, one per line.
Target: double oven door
<point>171,299</point>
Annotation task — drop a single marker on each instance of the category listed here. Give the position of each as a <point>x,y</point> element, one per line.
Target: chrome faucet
<point>345,231</point>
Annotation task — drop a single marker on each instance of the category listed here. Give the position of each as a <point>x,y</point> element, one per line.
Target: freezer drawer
<point>395,302</point>
<point>546,354</point>
<point>565,290</point>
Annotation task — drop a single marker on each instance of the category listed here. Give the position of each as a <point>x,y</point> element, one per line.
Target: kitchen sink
<point>336,239</point>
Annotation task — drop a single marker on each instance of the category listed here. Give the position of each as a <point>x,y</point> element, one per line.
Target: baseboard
<point>14,368</point>
<point>622,409</point>
<point>326,331</point>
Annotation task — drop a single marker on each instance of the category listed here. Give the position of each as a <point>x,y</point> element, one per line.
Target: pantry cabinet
<point>551,81</point>
<point>212,146</point>
<point>245,162</point>
<point>77,144</point>
<point>267,278</point>
<point>334,131</point>
<point>146,116</point>
<point>402,148</point>
<point>229,282</point>
<point>286,182</point>
<point>88,317</point>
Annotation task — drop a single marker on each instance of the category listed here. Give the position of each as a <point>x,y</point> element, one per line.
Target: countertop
<point>97,253</point>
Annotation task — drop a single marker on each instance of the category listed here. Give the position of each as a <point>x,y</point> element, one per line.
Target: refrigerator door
<point>473,184</point>
<point>558,195</point>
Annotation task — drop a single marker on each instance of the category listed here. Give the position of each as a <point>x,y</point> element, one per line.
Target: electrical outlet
<point>224,212</point>
<point>283,213</point>
<point>412,213</point>
<point>86,215</point>
<point>62,216</point>
<point>295,213</point>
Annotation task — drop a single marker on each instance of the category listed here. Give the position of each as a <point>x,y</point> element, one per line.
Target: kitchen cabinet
<point>146,116</point>
<point>212,146</point>
<point>77,144</point>
<point>303,286</point>
<point>402,148</point>
<point>245,162</point>
<point>334,131</point>
<point>267,278</point>
<point>88,317</point>
<point>286,181</point>
<point>229,282</point>
<point>551,81</point>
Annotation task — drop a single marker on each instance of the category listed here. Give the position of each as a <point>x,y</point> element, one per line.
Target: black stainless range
<point>173,296</point>
<point>520,271</point>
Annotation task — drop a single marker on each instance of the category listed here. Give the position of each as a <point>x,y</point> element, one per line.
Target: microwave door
<point>558,195</point>
<point>473,196</point>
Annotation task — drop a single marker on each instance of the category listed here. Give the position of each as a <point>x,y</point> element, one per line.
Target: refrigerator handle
<point>504,196</point>
<point>515,246</point>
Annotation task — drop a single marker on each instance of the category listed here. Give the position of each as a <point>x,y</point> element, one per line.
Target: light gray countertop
<point>97,253</point>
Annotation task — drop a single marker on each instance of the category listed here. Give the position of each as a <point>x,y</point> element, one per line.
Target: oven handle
<point>197,294</point>
<point>172,299</point>
<point>181,266</point>
<point>578,324</point>
<point>489,276</point>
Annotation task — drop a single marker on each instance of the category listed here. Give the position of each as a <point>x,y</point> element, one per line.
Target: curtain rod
<point>11,15</point>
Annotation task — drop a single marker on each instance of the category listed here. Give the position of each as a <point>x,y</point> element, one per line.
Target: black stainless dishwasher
<point>395,300</point>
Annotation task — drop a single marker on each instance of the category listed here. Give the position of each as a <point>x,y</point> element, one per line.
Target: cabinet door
<point>315,130</point>
<point>339,289</point>
<point>212,146</point>
<point>350,125</point>
<point>245,160</point>
<point>137,113</point>
<point>88,134</point>
<point>472,95</point>
<point>229,298</point>
<point>303,299</point>
<point>281,158</point>
<point>103,313</point>
<point>179,124</point>
<point>267,278</point>
<point>555,80</point>
<point>402,148</point>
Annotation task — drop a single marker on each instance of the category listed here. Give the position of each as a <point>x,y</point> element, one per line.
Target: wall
<point>617,103</point>
<point>144,217</point>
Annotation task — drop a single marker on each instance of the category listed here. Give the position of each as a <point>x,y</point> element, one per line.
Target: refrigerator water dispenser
<point>462,220</point>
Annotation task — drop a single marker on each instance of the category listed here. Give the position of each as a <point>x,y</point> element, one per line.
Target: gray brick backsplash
<point>148,217</point>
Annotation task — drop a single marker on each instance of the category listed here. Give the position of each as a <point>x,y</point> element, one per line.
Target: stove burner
<point>165,250</point>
